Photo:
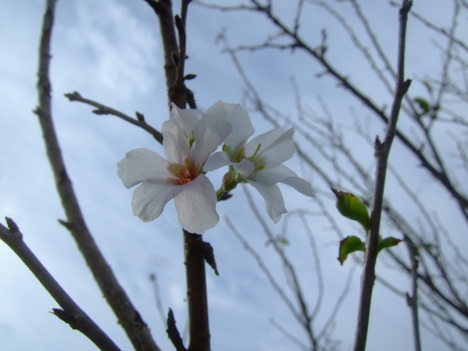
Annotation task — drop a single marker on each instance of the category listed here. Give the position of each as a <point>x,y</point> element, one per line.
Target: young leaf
<point>387,242</point>
<point>423,105</point>
<point>351,207</point>
<point>348,245</point>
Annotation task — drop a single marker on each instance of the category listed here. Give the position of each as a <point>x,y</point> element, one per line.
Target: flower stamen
<point>184,173</point>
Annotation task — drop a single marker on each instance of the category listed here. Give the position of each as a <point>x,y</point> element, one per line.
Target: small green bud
<point>351,207</point>
<point>230,181</point>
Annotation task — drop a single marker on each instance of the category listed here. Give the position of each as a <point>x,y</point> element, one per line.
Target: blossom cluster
<point>190,141</point>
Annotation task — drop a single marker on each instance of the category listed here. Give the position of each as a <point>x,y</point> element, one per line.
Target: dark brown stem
<point>173,333</point>
<point>163,9</point>
<point>382,152</point>
<point>412,299</point>
<point>196,251</point>
<point>70,313</point>
<point>197,298</point>
<point>128,316</point>
<point>106,110</point>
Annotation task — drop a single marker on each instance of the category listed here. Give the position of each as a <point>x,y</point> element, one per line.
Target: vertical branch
<point>197,298</point>
<point>116,297</point>
<point>412,299</point>
<point>174,52</point>
<point>195,250</point>
<point>163,9</point>
<point>382,152</point>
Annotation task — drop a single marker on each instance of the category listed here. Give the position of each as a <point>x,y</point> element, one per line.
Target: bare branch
<point>70,313</point>
<point>382,152</point>
<point>117,298</point>
<point>173,333</point>
<point>105,110</point>
<point>163,10</point>
<point>412,299</point>
<point>197,298</point>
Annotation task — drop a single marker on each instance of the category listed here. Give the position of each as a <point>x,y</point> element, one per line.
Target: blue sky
<point>109,52</point>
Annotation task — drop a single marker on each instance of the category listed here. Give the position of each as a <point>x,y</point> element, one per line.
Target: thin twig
<point>173,332</point>
<point>157,296</point>
<point>412,299</point>
<point>128,316</point>
<point>297,42</point>
<point>106,110</point>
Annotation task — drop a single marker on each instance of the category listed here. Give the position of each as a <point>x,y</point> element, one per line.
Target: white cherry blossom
<point>259,162</point>
<point>189,138</point>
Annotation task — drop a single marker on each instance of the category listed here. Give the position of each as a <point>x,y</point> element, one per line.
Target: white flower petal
<point>242,127</point>
<point>265,139</point>
<point>142,165</point>
<point>273,200</point>
<point>175,142</point>
<point>245,168</point>
<point>216,160</point>
<point>209,133</point>
<point>300,185</point>
<point>196,205</point>
<point>186,119</point>
<point>282,174</point>
<point>273,175</point>
<point>149,199</point>
<point>276,146</point>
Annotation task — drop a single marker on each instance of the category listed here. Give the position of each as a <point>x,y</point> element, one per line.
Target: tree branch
<point>163,10</point>
<point>105,110</point>
<point>113,292</point>
<point>197,298</point>
<point>412,300</point>
<point>382,152</point>
<point>70,313</point>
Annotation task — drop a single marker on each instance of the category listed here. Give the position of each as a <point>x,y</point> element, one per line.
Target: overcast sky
<point>109,51</point>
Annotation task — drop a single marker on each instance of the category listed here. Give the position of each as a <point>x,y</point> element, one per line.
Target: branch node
<point>12,226</point>
<point>378,147</point>
<point>173,333</point>
<point>140,116</point>
<point>405,9</point>
<point>406,85</point>
<point>179,25</point>
<point>65,316</point>
<point>208,255</point>
<point>66,224</point>
<point>175,58</point>
<point>73,96</point>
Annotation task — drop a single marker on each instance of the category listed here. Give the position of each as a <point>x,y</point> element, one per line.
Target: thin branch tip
<point>179,24</point>
<point>208,255</point>
<point>406,7</point>
<point>173,332</point>
<point>66,224</point>
<point>12,226</point>
<point>407,85</point>
<point>73,96</point>
<point>140,116</point>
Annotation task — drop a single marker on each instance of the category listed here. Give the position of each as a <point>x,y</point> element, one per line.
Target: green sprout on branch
<point>350,206</point>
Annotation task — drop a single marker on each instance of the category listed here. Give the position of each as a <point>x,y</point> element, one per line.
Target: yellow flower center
<point>184,173</point>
